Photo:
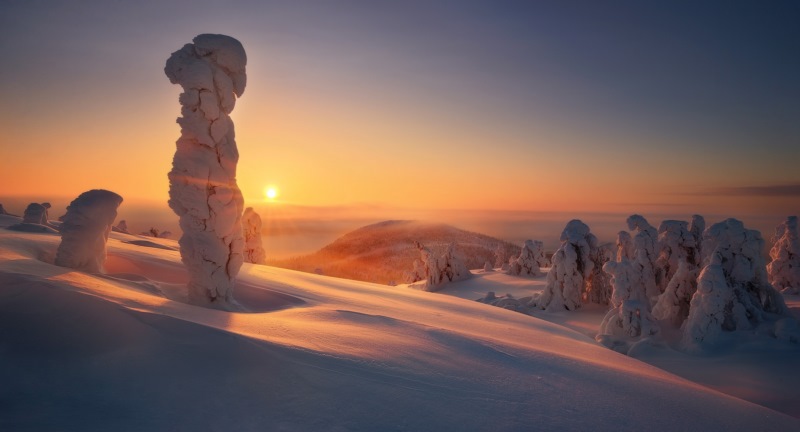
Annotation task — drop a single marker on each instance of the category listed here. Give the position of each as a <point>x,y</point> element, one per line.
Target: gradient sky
<point>499,105</point>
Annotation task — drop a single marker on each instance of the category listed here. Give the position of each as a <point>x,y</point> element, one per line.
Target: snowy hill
<point>122,352</point>
<point>381,252</point>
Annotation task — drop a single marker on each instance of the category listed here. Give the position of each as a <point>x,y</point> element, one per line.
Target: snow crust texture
<point>85,229</point>
<point>784,270</point>
<point>203,190</point>
<point>253,248</point>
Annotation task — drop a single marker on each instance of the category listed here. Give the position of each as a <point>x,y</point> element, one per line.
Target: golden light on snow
<point>271,192</point>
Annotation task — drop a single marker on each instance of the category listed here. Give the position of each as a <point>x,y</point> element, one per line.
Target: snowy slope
<point>90,352</point>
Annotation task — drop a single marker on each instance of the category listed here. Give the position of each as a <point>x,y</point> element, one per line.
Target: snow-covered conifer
<point>644,252</point>
<point>253,248</point>
<point>527,264</point>
<point>566,281</point>
<point>784,270</point>
<point>121,226</point>
<point>203,190</point>
<point>85,230</point>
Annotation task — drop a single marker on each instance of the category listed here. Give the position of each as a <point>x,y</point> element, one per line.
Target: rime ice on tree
<point>732,291</point>
<point>784,270</point>
<point>529,260</point>
<point>436,271</point>
<point>251,226</point>
<point>85,230</point>
<point>644,253</point>
<point>677,264</point>
<point>203,190</point>
<point>571,266</point>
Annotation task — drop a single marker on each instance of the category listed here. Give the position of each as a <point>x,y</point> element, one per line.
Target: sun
<point>271,192</point>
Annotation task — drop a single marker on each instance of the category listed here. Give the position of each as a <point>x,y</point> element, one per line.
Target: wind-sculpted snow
<point>203,190</point>
<point>784,270</point>
<point>85,229</point>
<point>566,281</point>
<point>733,292</point>
<point>530,259</point>
<point>251,226</point>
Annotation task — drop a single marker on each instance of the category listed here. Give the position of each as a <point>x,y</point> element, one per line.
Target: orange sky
<point>351,108</point>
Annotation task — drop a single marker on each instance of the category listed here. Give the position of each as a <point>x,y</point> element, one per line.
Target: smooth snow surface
<point>124,351</point>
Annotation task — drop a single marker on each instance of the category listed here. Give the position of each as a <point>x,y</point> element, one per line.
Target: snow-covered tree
<point>598,283</point>
<point>487,267</point>
<point>673,303</point>
<point>85,230</point>
<point>630,318</point>
<point>3,210</point>
<point>624,246</point>
<point>528,262</point>
<point>733,292</point>
<point>566,281</point>
<point>696,227</point>
<point>644,252</point>
<point>784,270</point>
<point>35,214</point>
<point>203,190</point>
<point>253,248</point>
<point>437,271</point>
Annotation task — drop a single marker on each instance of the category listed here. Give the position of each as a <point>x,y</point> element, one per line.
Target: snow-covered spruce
<point>3,211</point>
<point>85,229</point>
<point>251,226</point>
<point>437,271</point>
<point>675,245</point>
<point>673,304</point>
<point>203,191</point>
<point>696,228</point>
<point>500,257</point>
<point>487,267</point>
<point>531,257</point>
<point>784,270</point>
<point>629,320</point>
<point>566,281</point>
<point>598,284</point>
<point>644,254</point>
<point>732,291</point>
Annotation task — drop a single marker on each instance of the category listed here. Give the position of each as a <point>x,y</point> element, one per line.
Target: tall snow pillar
<point>203,191</point>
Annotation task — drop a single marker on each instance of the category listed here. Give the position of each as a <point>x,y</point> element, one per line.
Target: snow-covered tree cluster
<point>437,270</point>
<point>85,229</point>
<point>203,190</point>
<point>784,270</point>
<point>529,261</point>
<point>733,292</point>
<point>253,248</point>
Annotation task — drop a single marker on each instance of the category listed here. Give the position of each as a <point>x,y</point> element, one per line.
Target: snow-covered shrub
<point>3,210</point>
<point>528,262</point>
<point>85,230</point>
<point>784,270</point>
<point>437,271</point>
<point>203,191</point>
<point>35,213</point>
<point>732,291</point>
<point>251,226</point>
<point>644,253</point>
<point>630,320</point>
<point>571,266</point>
<point>487,267</point>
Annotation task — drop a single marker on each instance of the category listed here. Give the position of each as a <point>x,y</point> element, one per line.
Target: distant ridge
<point>383,251</point>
